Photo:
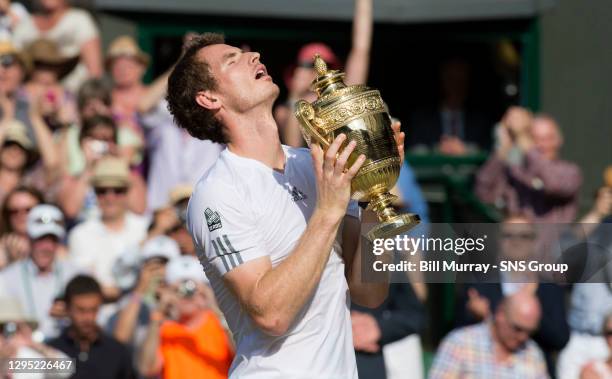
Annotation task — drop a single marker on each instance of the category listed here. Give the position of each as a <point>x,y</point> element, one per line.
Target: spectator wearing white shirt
<point>38,282</point>
<point>95,244</point>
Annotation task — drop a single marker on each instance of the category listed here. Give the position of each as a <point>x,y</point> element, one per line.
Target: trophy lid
<point>327,81</point>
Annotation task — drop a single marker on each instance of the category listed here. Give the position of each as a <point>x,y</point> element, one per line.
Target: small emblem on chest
<point>296,194</point>
<point>213,220</point>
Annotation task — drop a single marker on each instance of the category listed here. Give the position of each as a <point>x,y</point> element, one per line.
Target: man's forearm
<point>365,294</point>
<point>281,292</point>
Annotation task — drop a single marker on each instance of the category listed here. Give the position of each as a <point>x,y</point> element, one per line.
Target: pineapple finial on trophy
<point>320,65</point>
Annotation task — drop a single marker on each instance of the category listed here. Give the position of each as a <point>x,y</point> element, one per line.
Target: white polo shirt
<point>241,210</point>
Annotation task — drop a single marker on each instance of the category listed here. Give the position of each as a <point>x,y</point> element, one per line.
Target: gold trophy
<point>360,113</point>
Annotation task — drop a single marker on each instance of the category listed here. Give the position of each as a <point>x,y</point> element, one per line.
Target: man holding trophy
<point>274,226</point>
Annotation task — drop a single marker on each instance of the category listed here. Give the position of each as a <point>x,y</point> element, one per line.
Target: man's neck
<point>42,270</point>
<point>500,353</point>
<point>127,89</point>
<point>255,135</point>
<point>114,224</point>
<point>84,341</point>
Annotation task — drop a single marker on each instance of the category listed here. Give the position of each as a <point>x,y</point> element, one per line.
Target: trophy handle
<point>305,114</point>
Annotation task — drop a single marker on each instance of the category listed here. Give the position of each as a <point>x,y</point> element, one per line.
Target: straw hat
<point>45,52</point>
<point>180,192</point>
<point>7,48</point>
<point>16,132</point>
<point>11,311</point>
<point>125,46</point>
<point>111,172</point>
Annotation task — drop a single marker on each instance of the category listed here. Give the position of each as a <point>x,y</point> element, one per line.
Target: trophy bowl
<point>360,113</point>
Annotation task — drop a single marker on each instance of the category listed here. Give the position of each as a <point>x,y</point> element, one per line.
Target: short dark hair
<point>97,120</point>
<point>190,76</point>
<point>94,89</point>
<point>81,285</point>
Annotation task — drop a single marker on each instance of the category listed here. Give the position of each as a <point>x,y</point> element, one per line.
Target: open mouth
<point>261,72</point>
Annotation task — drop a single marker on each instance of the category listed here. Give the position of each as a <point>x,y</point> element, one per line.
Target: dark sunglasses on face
<point>100,191</point>
<point>16,211</point>
<point>607,333</point>
<point>7,60</point>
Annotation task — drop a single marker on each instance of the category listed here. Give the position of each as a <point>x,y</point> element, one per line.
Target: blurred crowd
<point>96,263</point>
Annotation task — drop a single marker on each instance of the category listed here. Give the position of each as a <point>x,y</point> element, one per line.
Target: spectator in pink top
<point>526,175</point>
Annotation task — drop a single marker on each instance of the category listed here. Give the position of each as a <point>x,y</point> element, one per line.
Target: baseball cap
<point>111,172</point>
<point>185,267</point>
<point>160,247</point>
<point>45,219</point>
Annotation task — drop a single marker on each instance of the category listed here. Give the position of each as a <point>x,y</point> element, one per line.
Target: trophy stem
<point>392,223</point>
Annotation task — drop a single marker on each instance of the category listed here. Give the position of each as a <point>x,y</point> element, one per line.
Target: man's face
<point>43,251</point>
<point>112,201</point>
<point>242,81</point>
<point>18,207</point>
<point>127,71</point>
<point>83,311</point>
<point>513,329</point>
<point>11,74</point>
<point>546,137</point>
<point>517,240</point>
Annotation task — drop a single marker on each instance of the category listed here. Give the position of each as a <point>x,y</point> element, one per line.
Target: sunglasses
<point>7,60</point>
<point>527,236</point>
<point>607,333</point>
<point>101,191</point>
<point>16,211</point>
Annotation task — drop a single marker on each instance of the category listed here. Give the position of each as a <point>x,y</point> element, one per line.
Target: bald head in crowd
<point>517,317</point>
<point>546,136</point>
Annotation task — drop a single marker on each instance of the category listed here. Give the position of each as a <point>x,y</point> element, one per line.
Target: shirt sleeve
<point>224,228</point>
<point>86,28</point>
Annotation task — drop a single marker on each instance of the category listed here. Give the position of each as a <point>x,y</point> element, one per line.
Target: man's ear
<point>208,100</point>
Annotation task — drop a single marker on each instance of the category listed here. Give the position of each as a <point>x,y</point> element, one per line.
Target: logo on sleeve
<point>213,220</point>
<point>296,194</point>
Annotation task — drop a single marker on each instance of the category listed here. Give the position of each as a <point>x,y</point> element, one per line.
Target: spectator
<point>129,325</point>
<point>400,315</point>
<point>37,282</point>
<point>98,140</point>
<point>97,355</point>
<point>170,220</point>
<point>601,369</point>
<point>127,64</point>
<point>94,99</point>
<point>175,156</point>
<point>498,347</point>
<point>194,343</point>
<point>299,81</point>
<point>72,29</point>
<point>19,161</point>
<point>95,244</point>
<point>14,67</point>
<point>453,128</point>
<point>14,241</point>
<point>525,174</point>
<point>478,300</point>
<point>17,339</point>
<point>11,14</point>
<point>590,302</point>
